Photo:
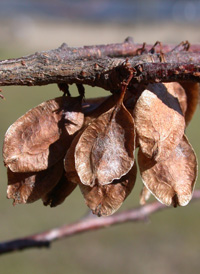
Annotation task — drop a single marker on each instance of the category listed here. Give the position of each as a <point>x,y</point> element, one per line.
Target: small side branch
<point>89,223</point>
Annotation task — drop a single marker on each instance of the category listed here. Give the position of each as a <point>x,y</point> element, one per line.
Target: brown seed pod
<point>28,187</point>
<point>104,200</point>
<point>90,105</point>
<point>59,193</point>
<point>159,122</point>
<point>105,149</point>
<point>175,89</point>
<point>40,138</point>
<point>106,104</point>
<point>171,181</point>
<point>69,162</point>
<point>102,105</point>
<point>192,92</point>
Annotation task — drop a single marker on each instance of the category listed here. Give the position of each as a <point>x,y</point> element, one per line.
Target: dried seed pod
<point>106,104</point>
<point>104,200</point>
<point>90,105</point>
<point>105,150</point>
<point>159,122</point>
<point>144,195</point>
<point>171,181</point>
<point>40,138</point>
<point>69,162</point>
<point>59,193</point>
<point>175,89</point>
<point>192,92</point>
<point>28,187</point>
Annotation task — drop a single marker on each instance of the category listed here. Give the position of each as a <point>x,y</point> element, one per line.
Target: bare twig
<point>102,66</point>
<point>86,224</point>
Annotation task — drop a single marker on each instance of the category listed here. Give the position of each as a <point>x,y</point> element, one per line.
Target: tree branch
<point>86,224</point>
<point>104,66</point>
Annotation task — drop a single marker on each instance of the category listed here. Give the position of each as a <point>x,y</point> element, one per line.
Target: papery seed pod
<point>105,149</point>
<point>192,92</point>
<point>171,181</point>
<point>106,104</point>
<point>59,193</point>
<point>132,95</point>
<point>29,187</point>
<point>175,89</point>
<point>159,122</point>
<point>40,138</point>
<point>103,104</point>
<point>91,104</point>
<point>104,200</point>
<point>69,162</point>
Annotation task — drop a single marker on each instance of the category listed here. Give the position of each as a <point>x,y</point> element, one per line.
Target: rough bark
<point>104,66</point>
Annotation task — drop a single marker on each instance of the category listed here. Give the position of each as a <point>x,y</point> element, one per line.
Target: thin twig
<point>89,223</point>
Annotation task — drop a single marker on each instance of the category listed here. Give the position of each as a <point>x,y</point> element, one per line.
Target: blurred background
<point>169,242</point>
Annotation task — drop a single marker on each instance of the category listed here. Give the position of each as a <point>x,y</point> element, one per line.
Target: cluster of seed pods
<point>68,142</point>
